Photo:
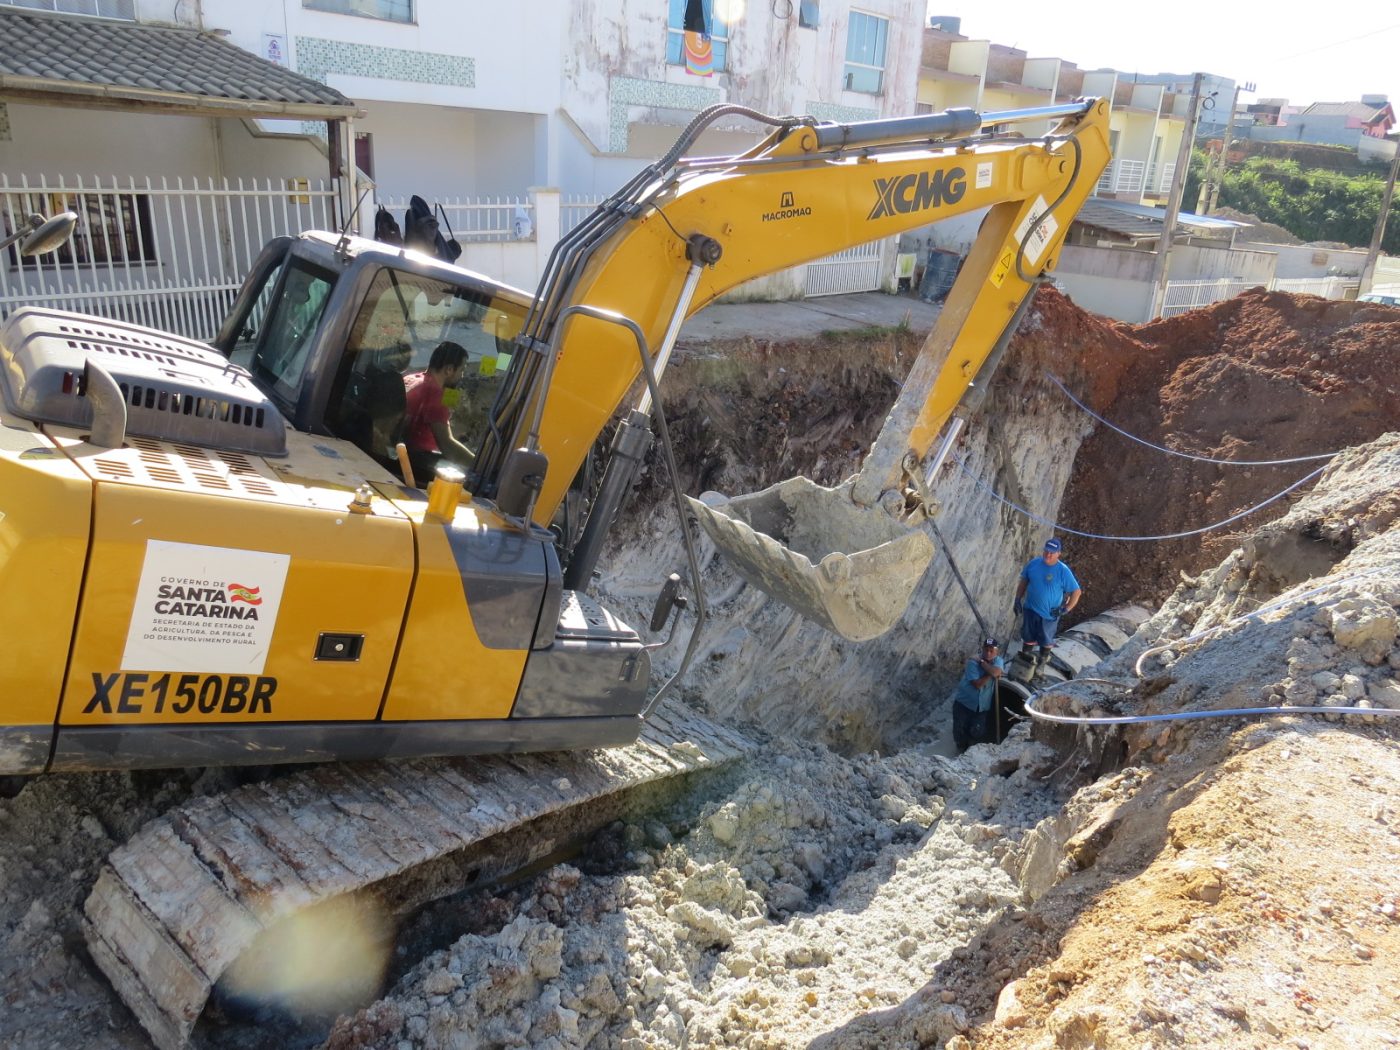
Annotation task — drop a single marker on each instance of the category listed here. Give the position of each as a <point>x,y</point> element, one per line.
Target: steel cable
<point>1173,452</point>
<point>962,464</point>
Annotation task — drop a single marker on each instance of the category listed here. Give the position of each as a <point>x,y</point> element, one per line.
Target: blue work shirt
<point>969,694</point>
<point>1046,586</point>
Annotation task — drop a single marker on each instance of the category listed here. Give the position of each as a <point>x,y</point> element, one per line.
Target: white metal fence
<point>853,270</point>
<point>574,209</point>
<point>477,218</point>
<point>1327,287</point>
<point>153,252</point>
<point>1191,295</point>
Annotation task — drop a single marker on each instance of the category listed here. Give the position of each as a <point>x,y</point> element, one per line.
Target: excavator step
<point>176,906</point>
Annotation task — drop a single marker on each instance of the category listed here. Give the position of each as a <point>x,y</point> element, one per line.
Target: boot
<point>1039,662</point>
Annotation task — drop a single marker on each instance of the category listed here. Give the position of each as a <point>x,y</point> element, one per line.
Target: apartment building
<point>519,118</point>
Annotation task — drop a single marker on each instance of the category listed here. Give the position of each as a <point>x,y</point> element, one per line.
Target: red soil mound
<point>1266,375</point>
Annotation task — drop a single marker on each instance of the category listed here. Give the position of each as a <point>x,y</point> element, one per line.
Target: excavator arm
<point>687,230</point>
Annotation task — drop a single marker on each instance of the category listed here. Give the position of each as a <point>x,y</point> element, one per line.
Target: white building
<point>529,109</point>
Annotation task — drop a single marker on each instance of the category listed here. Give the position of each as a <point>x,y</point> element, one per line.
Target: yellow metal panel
<point>444,670</point>
<point>346,573</point>
<point>45,509</point>
<point>797,209</point>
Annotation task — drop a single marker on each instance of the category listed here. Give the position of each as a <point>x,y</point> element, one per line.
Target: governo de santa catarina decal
<point>209,609</point>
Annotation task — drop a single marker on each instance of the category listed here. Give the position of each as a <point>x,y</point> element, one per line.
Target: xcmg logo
<point>918,192</point>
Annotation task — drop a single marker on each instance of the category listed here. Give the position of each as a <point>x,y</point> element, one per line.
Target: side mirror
<point>38,235</point>
<point>50,235</point>
<point>669,599</point>
<point>522,477</point>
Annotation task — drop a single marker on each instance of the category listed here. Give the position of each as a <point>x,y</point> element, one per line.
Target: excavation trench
<point>849,885</point>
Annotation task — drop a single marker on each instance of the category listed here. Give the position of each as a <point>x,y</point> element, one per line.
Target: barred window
<point>386,10</point>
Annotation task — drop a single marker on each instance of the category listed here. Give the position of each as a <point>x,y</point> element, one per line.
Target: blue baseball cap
<point>1052,544</point>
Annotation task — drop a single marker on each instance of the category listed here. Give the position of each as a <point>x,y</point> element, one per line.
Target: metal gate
<point>853,270</point>
<point>149,252</point>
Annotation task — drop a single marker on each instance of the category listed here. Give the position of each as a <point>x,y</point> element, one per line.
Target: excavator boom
<point>847,558</point>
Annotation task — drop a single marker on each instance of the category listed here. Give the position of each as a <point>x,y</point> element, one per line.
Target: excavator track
<point>192,891</point>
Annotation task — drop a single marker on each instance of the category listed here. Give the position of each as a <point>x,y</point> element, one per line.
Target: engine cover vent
<point>175,389</point>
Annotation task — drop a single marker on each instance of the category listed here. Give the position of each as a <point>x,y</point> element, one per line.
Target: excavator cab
<point>330,328</point>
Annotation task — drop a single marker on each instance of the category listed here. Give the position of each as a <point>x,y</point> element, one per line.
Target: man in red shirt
<point>427,426</point>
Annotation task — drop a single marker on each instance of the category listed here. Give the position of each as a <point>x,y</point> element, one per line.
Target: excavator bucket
<point>849,568</point>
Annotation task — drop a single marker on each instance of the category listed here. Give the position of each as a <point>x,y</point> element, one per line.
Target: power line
<point>1173,452</point>
<point>1338,43</point>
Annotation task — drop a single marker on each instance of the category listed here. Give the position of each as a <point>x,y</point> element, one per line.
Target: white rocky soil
<point>911,900</point>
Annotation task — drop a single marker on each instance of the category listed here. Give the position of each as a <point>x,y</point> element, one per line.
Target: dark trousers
<point>971,727</point>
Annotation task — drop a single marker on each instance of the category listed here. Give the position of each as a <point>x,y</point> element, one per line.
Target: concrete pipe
<point>1076,650</point>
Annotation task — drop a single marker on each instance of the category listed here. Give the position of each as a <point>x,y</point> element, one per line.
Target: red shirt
<point>424,407</point>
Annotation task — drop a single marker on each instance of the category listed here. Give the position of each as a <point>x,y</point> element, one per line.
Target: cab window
<point>403,318</point>
<point>290,311</point>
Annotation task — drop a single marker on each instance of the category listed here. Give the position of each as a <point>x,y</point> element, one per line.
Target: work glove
<point>1018,607</point>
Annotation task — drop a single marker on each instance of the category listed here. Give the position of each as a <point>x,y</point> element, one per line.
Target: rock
<point>1299,691</point>
<point>893,807</point>
<point>1385,692</point>
<point>1353,687</point>
<point>1364,624</point>
<point>1326,681</point>
<point>658,835</point>
<point>1011,1012</point>
<point>441,982</point>
<point>940,1025</point>
<point>724,823</point>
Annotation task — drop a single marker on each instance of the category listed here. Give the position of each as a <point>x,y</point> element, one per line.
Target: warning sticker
<point>209,609</point>
<point>984,175</point>
<point>1003,266</point>
<point>1039,238</point>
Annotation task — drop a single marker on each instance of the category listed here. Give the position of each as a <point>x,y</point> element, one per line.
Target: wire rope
<point>1173,452</point>
<point>1186,716</point>
<point>1133,539</point>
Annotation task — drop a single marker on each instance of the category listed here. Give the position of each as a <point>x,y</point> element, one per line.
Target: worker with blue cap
<point>974,704</point>
<point>1047,590</point>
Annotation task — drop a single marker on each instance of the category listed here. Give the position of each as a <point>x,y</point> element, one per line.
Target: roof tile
<point>138,55</point>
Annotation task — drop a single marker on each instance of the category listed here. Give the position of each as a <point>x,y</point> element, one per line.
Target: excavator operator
<point>427,421</point>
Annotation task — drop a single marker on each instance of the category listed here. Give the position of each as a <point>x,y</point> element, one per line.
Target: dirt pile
<point>1265,375</point>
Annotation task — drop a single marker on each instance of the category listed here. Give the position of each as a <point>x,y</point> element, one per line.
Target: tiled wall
<point>318,58</point>
<point>632,91</point>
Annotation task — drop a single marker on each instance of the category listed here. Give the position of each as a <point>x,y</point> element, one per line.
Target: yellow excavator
<point>208,559</point>
<point>214,555</point>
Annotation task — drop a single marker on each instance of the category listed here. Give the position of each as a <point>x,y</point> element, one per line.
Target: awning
<point>1140,221</point>
<point>102,63</point>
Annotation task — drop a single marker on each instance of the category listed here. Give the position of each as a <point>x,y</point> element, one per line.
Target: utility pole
<point>1183,164</point>
<point>1217,170</point>
<point>1368,272</point>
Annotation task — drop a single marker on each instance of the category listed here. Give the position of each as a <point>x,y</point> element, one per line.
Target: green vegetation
<point>1314,204</point>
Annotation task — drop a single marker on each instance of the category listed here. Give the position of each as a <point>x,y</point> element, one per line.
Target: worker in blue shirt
<point>974,703</point>
<point>1046,592</point>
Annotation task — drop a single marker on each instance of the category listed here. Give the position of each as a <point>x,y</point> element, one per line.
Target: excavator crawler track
<point>178,904</point>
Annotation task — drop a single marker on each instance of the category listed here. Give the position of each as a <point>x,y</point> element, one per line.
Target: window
<point>807,12</point>
<point>102,8</point>
<point>866,39</point>
<point>388,10</point>
<point>289,329</point>
<point>716,20</point>
<point>403,318</point>
<point>113,228</point>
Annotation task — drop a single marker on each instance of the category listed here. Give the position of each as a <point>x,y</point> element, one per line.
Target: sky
<point>1334,51</point>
